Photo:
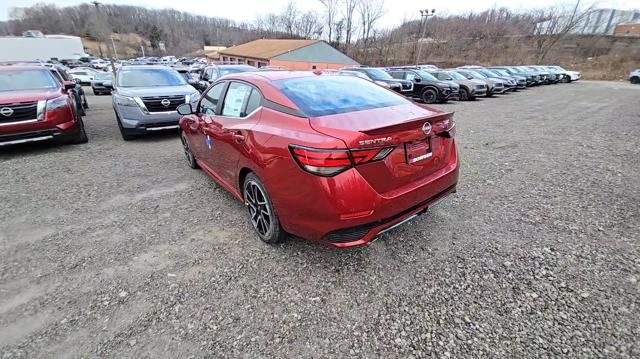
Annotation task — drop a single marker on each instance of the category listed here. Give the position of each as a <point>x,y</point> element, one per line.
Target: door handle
<point>238,136</point>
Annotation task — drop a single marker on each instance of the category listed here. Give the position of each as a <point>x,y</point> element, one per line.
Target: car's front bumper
<point>135,121</point>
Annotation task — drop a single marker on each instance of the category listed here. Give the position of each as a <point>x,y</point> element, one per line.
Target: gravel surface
<point>115,249</point>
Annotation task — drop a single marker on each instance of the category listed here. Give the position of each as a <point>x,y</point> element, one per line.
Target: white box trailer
<point>40,48</point>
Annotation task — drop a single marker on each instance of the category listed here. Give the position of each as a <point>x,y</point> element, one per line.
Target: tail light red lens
<point>329,163</point>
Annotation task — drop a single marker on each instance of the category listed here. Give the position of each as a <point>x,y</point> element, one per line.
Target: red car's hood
<point>28,95</point>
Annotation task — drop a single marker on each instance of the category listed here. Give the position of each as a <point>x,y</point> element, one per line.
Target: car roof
<point>23,68</point>
<point>143,67</point>
<point>275,75</point>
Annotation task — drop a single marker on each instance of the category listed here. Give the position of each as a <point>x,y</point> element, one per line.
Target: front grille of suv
<point>154,103</point>
<point>17,112</point>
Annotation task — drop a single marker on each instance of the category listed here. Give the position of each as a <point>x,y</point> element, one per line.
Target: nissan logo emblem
<point>6,111</point>
<point>165,102</point>
<point>426,128</point>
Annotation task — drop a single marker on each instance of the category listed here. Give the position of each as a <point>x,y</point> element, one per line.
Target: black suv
<point>61,74</point>
<point>425,86</point>
<point>381,77</point>
<point>201,86</point>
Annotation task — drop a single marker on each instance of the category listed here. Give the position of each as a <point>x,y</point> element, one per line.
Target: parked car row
<point>356,134</point>
<point>430,84</point>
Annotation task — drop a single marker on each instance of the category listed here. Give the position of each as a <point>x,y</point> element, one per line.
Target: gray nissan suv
<point>145,99</point>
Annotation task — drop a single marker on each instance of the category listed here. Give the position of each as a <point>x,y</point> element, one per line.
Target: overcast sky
<point>396,10</point>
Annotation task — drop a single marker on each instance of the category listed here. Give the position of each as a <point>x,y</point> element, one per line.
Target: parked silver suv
<point>145,99</point>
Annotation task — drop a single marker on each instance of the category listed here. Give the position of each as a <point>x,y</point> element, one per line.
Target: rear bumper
<point>345,210</point>
<point>366,233</point>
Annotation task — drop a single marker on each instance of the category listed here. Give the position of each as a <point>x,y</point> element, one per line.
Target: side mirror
<point>417,79</point>
<point>185,109</point>
<point>68,85</point>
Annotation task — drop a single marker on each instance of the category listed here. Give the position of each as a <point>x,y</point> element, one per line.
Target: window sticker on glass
<point>235,100</point>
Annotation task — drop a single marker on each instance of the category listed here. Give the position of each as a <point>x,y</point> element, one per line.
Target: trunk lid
<point>418,135</point>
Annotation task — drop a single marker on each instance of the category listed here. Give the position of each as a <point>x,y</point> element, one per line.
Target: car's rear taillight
<point>329,163</point>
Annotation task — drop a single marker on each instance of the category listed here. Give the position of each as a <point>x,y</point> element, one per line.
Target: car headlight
<point>57,103</point>
<point>192,98</point>
<point>126,101</point>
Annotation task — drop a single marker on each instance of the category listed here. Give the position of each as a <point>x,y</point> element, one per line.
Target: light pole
<point>424,16</point>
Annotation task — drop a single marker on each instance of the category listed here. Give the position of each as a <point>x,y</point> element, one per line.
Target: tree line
<point>353,26</point>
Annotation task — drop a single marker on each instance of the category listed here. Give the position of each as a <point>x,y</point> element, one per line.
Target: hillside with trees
<point>493,36</point>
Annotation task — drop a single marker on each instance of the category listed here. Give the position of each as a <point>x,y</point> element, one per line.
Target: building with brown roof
<point>289,54</point>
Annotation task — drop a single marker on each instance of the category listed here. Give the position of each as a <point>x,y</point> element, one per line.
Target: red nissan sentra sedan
<point>331,158</point>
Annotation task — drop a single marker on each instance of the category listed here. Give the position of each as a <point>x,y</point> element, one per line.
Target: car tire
<point>81,136</point>
<point>123,132</point>
<point>186,147</point>
<point>635,80</point>
<point>429,96</point>
<point>262,214</point>
<point>85,104</point>
<point>464,94</point>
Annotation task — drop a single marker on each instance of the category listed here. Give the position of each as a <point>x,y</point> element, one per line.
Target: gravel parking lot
<point>118,249</point>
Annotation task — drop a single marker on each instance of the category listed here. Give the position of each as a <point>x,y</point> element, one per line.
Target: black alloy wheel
<point>429,96</point>
<point>464,94</point>
<point>191,160</point>
<point>262,214</point>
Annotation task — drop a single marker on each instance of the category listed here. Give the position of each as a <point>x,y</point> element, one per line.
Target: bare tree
<point>331,14</point>
<point>554,24</point>
<point>309,25</point>
<point>289,18</point>
<point>370,12</point>
<point>348,11</point>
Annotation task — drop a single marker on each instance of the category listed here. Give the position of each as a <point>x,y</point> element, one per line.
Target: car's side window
<point>209,102</point>
<point>254,101</point>
<point>57,76</point>
<point>397,75</point>
<point>236,99</point>
<point>409,76</point>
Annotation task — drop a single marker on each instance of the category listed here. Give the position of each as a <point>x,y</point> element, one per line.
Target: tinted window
<point>150,78</point>
<point>255,99</point>
<point>378,74</point>
<point>26,80</point>
<point>209,102</point>
<point>397,75</point>
<point>426,76</point>
<point>236,99</point>
<point>235,69</point>
<point>103,76</point>
<point>329,95</point>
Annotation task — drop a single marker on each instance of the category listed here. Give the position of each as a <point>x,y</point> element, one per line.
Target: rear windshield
<point>235,70</point>
<point>330,95</point>
<point>26,80</point>
<point>150,78</point>
<point>103,76</point>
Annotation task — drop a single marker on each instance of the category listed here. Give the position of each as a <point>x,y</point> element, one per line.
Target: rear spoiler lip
<point>407,124</point>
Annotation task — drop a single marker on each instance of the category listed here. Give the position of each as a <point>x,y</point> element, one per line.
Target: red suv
<point>35,106</point>
<point>331,158</point>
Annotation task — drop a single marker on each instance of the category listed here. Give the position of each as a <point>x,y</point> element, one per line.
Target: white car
<point>573,75</point>
<point>634,77</point>
<point>99,64</point>
<point>82,76</point>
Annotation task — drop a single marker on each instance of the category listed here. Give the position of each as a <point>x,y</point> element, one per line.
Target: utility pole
<point>424,16</point>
